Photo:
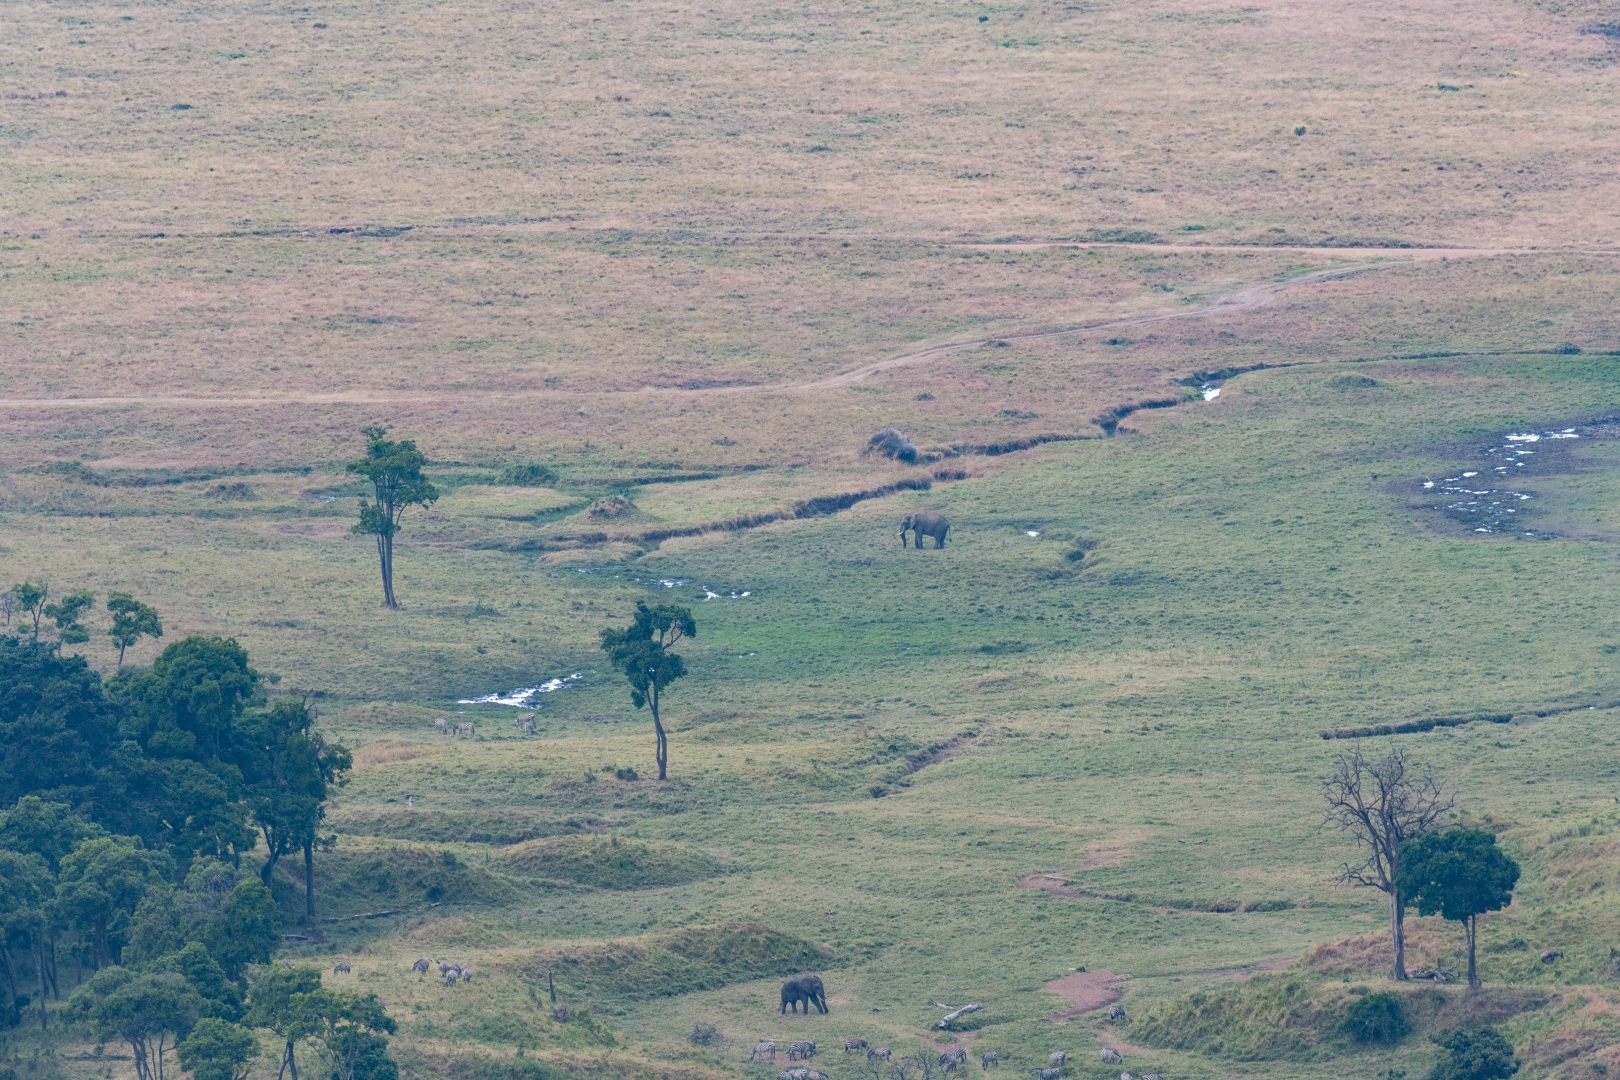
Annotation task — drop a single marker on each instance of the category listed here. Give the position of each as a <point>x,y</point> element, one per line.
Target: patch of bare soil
<point>1106,856</point>
<point>1088,990</point>
<point>1052,883</point>
<point>942,752</point>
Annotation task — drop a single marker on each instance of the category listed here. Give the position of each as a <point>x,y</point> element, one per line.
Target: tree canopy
<point>132,620</point>
<point>1459,874</point>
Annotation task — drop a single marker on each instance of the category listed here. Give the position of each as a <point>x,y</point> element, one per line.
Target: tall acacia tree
<point>1459,874</point>
<point>288,796</point>
<point>641,651</point>
<point>395,472</point>
<point>1382,804</point>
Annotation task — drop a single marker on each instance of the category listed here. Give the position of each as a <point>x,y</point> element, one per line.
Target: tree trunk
<point>663,741</point>
<point>271,860</point>
<point>11,974</point>
<point>42,1019</point>
<point>288,1062</point>
<point>309,878</point>
<point>385,558</point>
<point>103,948</point>
<point>121,647</point>
<point>1472,926</point>
<point>1397,933</point>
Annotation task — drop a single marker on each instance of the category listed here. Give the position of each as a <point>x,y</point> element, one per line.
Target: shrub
<point>1377,1018</point>
<point>626,773</point>
<point>1481,1054</point>
<point>614,506</point>
<point>705,1035</point>
<point>892,444</point>
<point>530,475</point>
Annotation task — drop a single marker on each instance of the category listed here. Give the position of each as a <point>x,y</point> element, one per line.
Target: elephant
<point>807,989</point>
<point>925,523</point>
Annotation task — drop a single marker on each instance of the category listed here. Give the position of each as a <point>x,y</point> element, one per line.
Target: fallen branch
<point>945,1021</point>
<point>363,915</point>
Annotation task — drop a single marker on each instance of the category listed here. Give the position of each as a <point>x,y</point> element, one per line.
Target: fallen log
<point>946,1020</point>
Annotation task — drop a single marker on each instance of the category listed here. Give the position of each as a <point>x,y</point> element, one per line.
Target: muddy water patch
<point>1492,491</point>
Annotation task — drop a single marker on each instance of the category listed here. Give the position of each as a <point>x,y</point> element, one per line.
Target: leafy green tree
<point>47,829</point>
<point>102,883</point>
<point>132,620</point>
<point>217,1050</point>
<point>1481,1054</point>
<point>66,613</point>
<point>1459,874</point>
<point>641,652</point>
<point>25,891</point>
<point>276,994</point>
<point>232,913</point>
<point>31,601</point>
<point>186,710</point>
<point>395,472</point>
<point>220,997</point>
<point>288,797</point>
<point>151,1011</point>
<point>347,1026</point>
<point>63,743</point>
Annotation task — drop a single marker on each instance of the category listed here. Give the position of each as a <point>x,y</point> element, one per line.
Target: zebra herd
<point>442,726</point>
<point>450,973</point>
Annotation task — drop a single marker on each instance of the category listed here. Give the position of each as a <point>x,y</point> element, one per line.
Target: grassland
<point>693,258</point>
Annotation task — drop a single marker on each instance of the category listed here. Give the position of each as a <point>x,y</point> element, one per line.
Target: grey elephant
<point>804,988</point>
<point>925,523</point>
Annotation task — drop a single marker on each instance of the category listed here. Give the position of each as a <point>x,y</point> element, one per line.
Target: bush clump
<point>612,861</point>
<point>892,444</point>
<point>705,1035</point>
<point>529,475</point>
<point>1481,1054</point>
<point>1377,1018</point>
<point>614,506</point>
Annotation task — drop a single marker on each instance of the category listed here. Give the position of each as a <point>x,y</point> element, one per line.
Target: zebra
<point>793,1074</point>
<point>992,1058</point>
<point>763,1048</point>
<point>442,726</point>
<point>1057,1059</point>
<point>526,727</point>
<point>341,968</point>
<point>465,728</point>
<point>854,1044</point>
<point>953,1057</point>
<point>802,1051</point>
<point>421,966</point>
<point>1116,1014</point>
<point>1047,1074</point>
<point>466,974</point>
<point>444,967</point>
<point>1110,1055</point>
<point>878,1052</point>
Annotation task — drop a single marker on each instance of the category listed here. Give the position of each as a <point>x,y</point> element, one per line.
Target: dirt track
<point>1241,300</point>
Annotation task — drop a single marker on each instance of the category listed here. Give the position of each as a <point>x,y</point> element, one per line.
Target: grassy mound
<point>679,962</point>
<point>1266,1018</point>
<point>612,861</point>
<point>504,827</point>
<point>351,882</point>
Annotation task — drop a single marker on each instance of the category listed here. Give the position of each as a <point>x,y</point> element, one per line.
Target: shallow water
<point>523,697</point>
<point>1210,391</point>
<point>1487,509</point>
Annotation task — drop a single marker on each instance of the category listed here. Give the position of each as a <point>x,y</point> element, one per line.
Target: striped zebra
<point>801,1051</point>
<point>953,1057</point>
<point>878,1052</point>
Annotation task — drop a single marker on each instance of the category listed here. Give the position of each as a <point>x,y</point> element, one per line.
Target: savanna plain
<point>1263,360</point>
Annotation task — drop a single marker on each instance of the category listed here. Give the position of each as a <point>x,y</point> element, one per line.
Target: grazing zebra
<point>421,966</point>
<point>442,726</point>
<point>878,1052</point>
<point>1116,1014</point>
<point>1057,1059</point>
<point>811,1074</point>
<point>793,1074</point>
<point>801,1051</point>
<point>1046,1074</point>
<point>466,974</point>
<point>526,727</point>
<point>992,1058</point>
<point>763,1048</point>
<point>953,1057</point>
<point>854,1044</point>
<point>341,968</point>
<point>1110,1055</point>
<point>464,728</point>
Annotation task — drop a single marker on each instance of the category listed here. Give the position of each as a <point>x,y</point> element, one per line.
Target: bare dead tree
<point>1381,803</point>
